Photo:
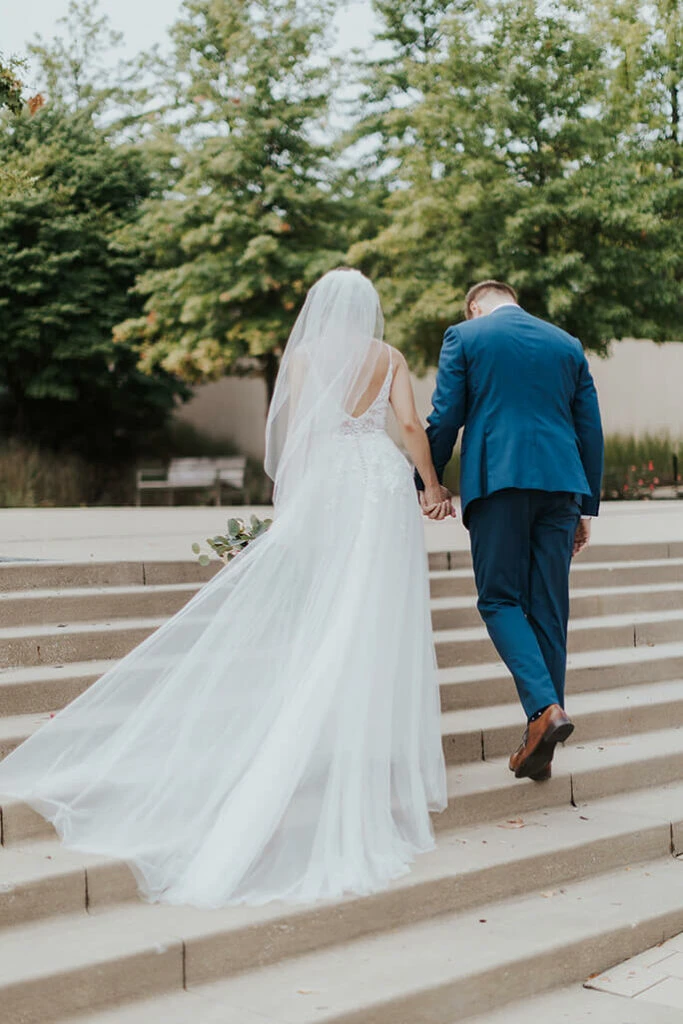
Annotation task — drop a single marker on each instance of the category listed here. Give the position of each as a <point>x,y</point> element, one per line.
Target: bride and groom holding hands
<point>531,473</point>
<point>280,737</point>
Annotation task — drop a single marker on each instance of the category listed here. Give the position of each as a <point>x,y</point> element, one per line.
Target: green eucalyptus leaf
<point>196,548</point>
<point>204,559</point>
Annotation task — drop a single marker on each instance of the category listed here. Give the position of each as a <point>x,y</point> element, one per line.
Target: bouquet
<point>235,540</point>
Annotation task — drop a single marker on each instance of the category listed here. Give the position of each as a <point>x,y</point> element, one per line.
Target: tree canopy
<point>251,216</point>
<point>166,227</point>
<point>515,151</point>
<point>65,281</point>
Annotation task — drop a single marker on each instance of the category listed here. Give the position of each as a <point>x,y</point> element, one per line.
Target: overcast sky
<point>143,22</point>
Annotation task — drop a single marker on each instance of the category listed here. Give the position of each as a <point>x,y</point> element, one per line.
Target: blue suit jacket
<point>525,396</point>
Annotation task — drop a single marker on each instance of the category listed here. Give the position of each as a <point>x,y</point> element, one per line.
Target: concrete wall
<point>640,387</point>
<point>232,409</point>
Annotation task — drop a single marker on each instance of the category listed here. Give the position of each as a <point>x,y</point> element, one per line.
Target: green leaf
<point>196,548</point>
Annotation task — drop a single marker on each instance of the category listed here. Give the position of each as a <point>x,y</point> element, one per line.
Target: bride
<point>280,736</point>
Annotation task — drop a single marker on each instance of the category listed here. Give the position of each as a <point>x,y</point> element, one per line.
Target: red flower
<point>650,465</point>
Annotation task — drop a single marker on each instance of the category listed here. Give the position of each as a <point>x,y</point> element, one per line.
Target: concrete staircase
<point>531,887</point>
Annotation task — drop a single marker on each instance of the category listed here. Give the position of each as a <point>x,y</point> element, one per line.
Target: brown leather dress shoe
<point>534,755</point>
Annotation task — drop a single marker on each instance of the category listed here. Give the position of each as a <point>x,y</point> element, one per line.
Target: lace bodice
<point>374,419</point>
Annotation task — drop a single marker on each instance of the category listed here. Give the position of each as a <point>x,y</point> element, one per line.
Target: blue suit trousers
<point>522,543</point>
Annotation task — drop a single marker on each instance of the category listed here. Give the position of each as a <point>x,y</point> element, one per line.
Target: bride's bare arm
<point>413,433</point>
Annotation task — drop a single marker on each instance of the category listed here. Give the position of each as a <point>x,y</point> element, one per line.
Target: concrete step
<point>491,732</point>
<point>467,646</point>
<point>488,732</point>
<point>43,879</point>
<point>481,791</point>
<point>104,604</point>
<point>572,1004</point>
<point>88,604</point>
<point>470,868</point>
<point>41,575</point>
<point>568,1005</point>
<point>442,970</point>
<point>14,729</point>
<point>459,612</point>
<point>43,688</point>
<point>655,550</point>
<point>460,582</point>
<point>54,575</point>
<point>37,689</point>
<point>83,641</point>
<point>481,685</point>
<point>584,771</point>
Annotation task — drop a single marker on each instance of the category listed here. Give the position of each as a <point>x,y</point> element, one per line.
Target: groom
<point>531,468</point>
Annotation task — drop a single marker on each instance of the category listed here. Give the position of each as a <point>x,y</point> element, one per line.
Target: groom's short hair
<point>487,286</point>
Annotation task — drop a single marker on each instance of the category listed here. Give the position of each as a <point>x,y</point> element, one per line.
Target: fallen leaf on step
<point>512,823</point>
<point>305,991</point>
<point>583,817</point>
<point>547,895</point>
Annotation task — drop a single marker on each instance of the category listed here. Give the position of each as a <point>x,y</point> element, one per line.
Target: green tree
<point>10,84</point>
<point>253,215</point>
<point>79,72</point>
<point>65,281</point>
<point>510,162</point>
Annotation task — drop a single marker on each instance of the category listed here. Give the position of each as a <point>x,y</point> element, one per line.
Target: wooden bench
<point>193,474</point>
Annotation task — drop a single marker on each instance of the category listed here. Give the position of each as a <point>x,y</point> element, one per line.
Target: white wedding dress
<point>280,736</point>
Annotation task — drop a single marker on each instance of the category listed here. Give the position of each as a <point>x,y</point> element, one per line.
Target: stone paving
<point>647,989</point>
<point>655,976</point>
<point>162,533</point>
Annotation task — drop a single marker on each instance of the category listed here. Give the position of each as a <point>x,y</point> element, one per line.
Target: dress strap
<point>390,370</point>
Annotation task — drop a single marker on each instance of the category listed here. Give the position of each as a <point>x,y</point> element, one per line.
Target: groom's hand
<point>582,536</point>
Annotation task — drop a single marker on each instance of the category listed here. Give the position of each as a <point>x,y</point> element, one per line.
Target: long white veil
<point>280,736</point>
<point>328,362</point>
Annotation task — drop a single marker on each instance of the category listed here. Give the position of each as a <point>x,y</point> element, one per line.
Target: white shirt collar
<point>505,305</point>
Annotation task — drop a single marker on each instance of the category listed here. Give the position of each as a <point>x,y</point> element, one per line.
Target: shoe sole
<point>542,756</point>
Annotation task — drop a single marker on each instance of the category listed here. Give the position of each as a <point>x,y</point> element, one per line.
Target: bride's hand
<point>437,503</point>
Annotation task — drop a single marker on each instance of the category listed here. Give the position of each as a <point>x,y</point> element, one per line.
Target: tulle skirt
<point>280,736</point>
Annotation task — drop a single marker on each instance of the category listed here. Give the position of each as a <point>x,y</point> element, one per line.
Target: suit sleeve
<point>588,426</point>
<point>449,403</point>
